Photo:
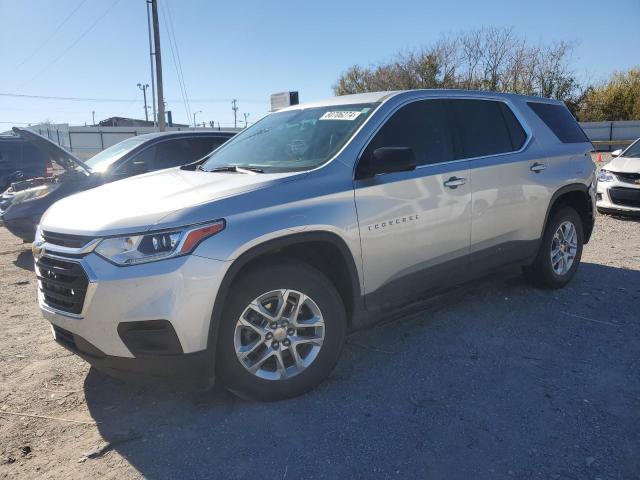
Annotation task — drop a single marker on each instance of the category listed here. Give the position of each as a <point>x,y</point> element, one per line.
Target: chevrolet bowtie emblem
<point>37,249</point>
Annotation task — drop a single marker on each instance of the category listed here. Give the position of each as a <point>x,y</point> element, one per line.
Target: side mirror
<point>388,160</point>
<point>616,153</point>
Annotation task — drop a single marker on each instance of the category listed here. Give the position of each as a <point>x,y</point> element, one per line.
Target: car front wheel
<point>281,333</point>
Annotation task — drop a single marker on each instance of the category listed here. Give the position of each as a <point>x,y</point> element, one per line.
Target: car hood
<point>137,204</point>
<point>56,153</point>
<point>624,165</point>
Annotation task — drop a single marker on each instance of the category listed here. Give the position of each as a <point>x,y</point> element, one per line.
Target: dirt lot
<point>496,380</point>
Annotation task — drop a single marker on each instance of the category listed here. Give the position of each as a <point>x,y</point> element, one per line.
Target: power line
<point>175,42</point>
<point>173,47</point>
<point>72,99</point>
<point>46,42</point>
<point>123,100</point>
<point>75,42</point>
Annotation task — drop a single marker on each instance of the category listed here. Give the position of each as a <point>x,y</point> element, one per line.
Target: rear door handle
<point>455,182</point>
<point>537,167</point>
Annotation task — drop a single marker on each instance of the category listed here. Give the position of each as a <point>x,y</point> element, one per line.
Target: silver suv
<point>252,266</point>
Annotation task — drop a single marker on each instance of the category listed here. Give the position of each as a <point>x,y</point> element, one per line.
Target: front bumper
<point>617,196</point>
<point>177,293</point>
<point>188,368</point>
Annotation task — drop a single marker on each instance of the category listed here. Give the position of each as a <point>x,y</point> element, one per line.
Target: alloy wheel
<point>564,247</point>
<point>279,334</point>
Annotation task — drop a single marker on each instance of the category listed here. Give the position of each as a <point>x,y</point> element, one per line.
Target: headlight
<point>35,192</point>
<point>152,246</point>
<point>606,176</point>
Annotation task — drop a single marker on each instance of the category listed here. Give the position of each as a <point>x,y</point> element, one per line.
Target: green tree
<point>616,99</point>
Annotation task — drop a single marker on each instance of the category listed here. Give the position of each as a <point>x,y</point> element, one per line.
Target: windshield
<point>103,160</point>
<point>291,140</point>
<point>633,150</point>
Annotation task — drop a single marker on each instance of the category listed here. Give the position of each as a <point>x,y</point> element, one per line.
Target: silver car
<point>252,267</point>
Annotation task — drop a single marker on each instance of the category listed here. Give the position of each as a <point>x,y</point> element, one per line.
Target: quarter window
<point>559,119</point>
<point>422,126</point>
<point>516,132</point>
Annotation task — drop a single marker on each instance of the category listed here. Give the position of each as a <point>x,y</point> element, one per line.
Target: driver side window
<point>422,126</point>
<point>140,163</point>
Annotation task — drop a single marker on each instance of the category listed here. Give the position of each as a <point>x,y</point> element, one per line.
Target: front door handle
<point>455,182</point>
<point>537,167</point>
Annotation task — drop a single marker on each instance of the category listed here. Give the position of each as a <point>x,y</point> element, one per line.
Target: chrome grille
<point>65,240</point>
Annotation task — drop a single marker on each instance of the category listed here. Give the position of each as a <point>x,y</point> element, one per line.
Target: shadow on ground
<point>24,260</point>
<point>494,380</point>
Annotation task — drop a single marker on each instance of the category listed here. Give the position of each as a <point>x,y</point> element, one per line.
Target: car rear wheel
<point>281,333</point>
<point>560,251</point>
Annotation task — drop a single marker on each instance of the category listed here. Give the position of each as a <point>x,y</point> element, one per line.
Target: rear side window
<point>560,121</point>
<point>516,132</point>
<point>486,127</point>
<point>420,126</point>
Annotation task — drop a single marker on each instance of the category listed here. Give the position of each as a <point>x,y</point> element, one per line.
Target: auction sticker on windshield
<point>340,115</point>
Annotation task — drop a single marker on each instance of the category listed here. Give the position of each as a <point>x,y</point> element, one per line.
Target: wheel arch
<point>310,247</point>
<point>575,195</point>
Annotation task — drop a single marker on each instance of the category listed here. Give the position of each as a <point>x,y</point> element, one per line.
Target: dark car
<point>19,160</point>
<point>22,205</point>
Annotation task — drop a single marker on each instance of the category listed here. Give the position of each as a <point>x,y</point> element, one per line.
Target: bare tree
<point>498,42</point>
<point>489,58</point>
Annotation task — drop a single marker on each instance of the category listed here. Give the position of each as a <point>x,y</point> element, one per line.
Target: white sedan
<point>619,182</point>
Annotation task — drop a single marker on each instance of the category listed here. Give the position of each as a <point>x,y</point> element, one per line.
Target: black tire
<point>540,273</point>
<point>280,274</point>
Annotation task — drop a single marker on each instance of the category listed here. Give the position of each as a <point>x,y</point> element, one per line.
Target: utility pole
<point>246,115</point>
<point>144,94</point>
<point>194,118</point>
<point>234,107</point>
<point>93,115</point>
<point>156,38</point>
<point>153,75</point>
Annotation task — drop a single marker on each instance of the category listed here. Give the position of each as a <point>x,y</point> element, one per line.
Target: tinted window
<point>516,132</point>
<point>170,153</point>
<point>482,129</point>
<point>205,145</point>
<point>423,127</point>
<point>560,121</point>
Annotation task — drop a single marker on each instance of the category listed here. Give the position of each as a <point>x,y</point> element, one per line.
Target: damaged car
<point>24,202</point>
<point>619,182</point>
<point>19,160</point>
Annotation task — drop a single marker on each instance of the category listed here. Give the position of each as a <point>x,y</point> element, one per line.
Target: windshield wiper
<point>236,168</point>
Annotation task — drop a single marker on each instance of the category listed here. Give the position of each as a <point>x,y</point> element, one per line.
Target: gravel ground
<point>494,380</point>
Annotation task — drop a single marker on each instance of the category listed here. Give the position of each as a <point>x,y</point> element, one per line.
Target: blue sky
<point>248,50</point>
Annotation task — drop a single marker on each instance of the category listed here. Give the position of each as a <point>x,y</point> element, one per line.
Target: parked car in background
<point>19,160</point>
<point>619,182</point>
<point>317,219</point>
<point>22,205</point>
